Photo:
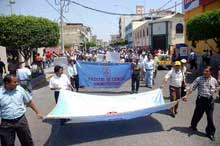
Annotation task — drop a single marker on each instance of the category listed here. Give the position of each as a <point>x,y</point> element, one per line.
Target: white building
<point>129,31</point>
<point>163,33</point>
<point>166,32</point>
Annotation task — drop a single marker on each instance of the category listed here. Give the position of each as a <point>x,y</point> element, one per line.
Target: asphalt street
<point>157,129</point>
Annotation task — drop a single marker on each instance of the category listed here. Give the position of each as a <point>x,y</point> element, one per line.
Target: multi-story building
<point>163,33</point>
<point>129,31</point>
<point>123,22</point>
<point>76,33</point>
<point>166,32</point>
<point>194,7</point>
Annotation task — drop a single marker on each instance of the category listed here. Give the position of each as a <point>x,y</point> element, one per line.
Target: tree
<point>27,32</point>
<point>203,27</point>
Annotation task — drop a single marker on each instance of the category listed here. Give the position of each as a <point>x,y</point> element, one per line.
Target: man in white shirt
<point>73,74</point>
<point>148,68</point>
<point>59,81</point>
<point>24,77</point>
<point>176,78</point>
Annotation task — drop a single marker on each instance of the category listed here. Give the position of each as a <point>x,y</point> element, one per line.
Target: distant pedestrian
<point>48,58</point>
<point>207,86</point>
<point>176,78</point>
<point>59,81</point>
<point>13,102</point>
<point>193,60</point>
<point>39,61</point>
<point>73,74</point>
<point>135,80</point>
<point>24,77</point>
<point>2,68</point>
<point>148,68</point>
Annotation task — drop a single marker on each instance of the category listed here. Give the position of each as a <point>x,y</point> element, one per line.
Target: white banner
<point>113,57</point>
<point>92,108</point>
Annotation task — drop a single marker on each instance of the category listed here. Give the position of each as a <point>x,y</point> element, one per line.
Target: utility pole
<point>11,2</point>
<point>175,7</point>
<point>61,26</point>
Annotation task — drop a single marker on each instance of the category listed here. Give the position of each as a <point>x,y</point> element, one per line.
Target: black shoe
<point>136,91</point>
<point>211,137</point>
<point>132,92</point>
<point>172,115</point>
<point>193,128</point>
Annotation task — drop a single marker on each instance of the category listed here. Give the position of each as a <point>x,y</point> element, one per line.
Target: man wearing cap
<point>176,77</point>
<point>148,68</point>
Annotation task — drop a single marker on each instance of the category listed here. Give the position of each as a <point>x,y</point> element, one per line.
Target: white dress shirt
<point>23,74</point>
<point>72,71</point>
<point>148,65</point>
<point>61,82</point>
<point>176,78</point>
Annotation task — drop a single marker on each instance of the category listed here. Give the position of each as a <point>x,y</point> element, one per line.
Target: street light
<point>11,2</point>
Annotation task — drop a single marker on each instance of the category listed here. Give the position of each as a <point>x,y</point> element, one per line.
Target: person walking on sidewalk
<point>13,102</point>
<point>24,77</point>
<point>135,80</point>
<point>193,60</point>
<point>207,86</point>
<point>73,74</point>
<point>176,78</point>
<point>149,70</point>
<point>2,68</point>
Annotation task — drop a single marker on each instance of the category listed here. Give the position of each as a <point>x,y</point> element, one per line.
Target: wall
<point>3,56</point>
<point>210,5</point>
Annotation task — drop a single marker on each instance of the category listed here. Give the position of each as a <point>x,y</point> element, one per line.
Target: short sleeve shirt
<point>59,82</point>
<point>13,103</point>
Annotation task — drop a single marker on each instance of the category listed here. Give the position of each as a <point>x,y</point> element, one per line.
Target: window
<point>143,33</point>
<point>179,28</point>
<point>147,31</point>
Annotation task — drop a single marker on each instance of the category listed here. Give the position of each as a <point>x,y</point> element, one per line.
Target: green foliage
<point>27,32</point>
<point>89,44</point>
<point>120,42</point>
<point>204,26</point>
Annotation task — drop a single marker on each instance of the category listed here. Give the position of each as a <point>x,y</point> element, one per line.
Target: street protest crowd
<point>14,98</point>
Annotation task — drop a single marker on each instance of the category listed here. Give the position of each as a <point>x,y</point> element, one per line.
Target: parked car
<point>164,61</point>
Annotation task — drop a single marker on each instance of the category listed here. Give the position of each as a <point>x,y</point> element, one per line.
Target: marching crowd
<point>14,99</point>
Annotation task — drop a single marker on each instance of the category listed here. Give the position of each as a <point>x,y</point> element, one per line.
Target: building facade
<point>76,33</point>
<point>166,32</point>
<point>129,31</point>
<point>194,7</point>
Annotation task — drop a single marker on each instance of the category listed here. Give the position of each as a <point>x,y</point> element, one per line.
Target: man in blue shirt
<point>13,102</point>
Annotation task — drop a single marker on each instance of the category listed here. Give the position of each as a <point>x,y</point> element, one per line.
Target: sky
<point>102,25</point>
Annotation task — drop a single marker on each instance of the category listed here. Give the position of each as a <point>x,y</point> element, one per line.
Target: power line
<point>119,14</point>
<point>56,9</point>
<point>164,5</point>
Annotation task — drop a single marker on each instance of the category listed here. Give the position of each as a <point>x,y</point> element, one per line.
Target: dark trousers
<point>56,95</point>
<point>204,105</point>
<point>18,126</point>
<point>193,64</point>
<point>135,82</point>
<point>75,82</point>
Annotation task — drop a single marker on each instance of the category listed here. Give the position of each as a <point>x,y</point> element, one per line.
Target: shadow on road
<point>71,133</point>
<point>41,85</point>
<point>187,130</point>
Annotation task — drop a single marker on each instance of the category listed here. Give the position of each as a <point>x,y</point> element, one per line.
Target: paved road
<point>158,129</point>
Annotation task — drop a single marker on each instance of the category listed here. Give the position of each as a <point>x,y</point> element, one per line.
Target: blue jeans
<point>149,77</point>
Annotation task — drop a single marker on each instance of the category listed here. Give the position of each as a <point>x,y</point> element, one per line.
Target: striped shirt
<point>206,86</point>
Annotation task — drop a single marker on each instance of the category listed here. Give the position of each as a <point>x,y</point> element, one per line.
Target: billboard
<point>190,4</point>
